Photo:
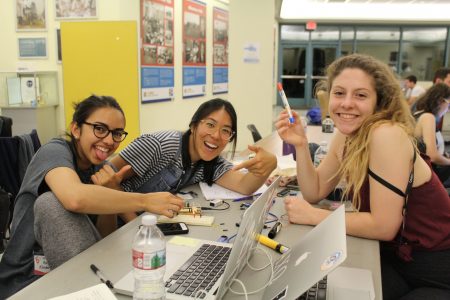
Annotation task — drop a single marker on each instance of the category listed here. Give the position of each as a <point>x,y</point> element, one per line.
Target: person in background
<point>431,107</point>
<point>390,184</point>
<point>51,209</point>
<point>413,91</point>
<point>442,75</point>
<point>170,160</point>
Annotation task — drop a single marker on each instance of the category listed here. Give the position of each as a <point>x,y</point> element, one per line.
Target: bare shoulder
<point>390,141</point>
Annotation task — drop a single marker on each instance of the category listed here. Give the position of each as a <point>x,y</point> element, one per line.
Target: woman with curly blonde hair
<point>389,183</point>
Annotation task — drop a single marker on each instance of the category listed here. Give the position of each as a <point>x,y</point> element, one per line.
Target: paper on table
<point>286,162</point>
<point>96,292</point>
<point>217,192</point>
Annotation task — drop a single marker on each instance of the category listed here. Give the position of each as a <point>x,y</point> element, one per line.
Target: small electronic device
<point>173,228</point>
<point>283,192</point>
<point>216,202</point>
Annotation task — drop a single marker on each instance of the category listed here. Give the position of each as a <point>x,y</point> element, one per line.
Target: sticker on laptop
<point>331,260</point>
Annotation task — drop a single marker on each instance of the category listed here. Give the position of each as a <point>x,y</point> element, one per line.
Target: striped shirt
<point>151,153</point>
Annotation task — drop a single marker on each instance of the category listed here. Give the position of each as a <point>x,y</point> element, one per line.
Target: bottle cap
<point>148,220</point>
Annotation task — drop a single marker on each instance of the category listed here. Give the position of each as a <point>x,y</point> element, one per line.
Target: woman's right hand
<point>293,134</point>
<point>163,203</point>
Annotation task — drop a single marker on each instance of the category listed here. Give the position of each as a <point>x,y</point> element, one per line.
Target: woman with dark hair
<point>170,160</point>
<point>431,107</point>
<point>50,220</point>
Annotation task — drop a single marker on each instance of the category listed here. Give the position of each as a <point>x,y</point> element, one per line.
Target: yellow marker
<point>272,244</point>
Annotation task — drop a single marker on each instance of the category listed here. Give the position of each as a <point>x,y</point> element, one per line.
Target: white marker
<point>285,102</point>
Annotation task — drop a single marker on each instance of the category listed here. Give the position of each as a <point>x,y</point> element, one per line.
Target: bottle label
<point>149,261</point>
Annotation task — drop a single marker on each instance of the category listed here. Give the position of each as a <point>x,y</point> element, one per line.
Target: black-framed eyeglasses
<point>101,131</point>
<point>226,133</point>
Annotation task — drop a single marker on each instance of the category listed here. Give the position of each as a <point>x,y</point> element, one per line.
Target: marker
<point>272,244</point>
<point>285,102</point>
<point>275,229</point>
<point>247,197</point>
<point>101,276</point>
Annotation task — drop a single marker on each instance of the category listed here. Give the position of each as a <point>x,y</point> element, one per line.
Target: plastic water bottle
<point>328,125</point>
<point>320,153</point>
<point>149,261</point>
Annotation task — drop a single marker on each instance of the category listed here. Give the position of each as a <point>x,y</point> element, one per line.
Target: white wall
<point>252,86</point>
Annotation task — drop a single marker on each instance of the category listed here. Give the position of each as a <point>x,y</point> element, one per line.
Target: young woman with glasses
<point>51,209</point>
<point>170,160</point>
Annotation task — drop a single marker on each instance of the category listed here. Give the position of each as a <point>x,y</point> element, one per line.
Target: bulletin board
<point>102,58</point>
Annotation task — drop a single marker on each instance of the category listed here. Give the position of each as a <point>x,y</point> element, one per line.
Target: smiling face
<point>91,149</point>
<point>207,142</point>
<point>352,99</point>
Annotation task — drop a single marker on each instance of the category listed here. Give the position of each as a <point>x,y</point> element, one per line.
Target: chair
<point>255,133</point>
<point>15,155</point>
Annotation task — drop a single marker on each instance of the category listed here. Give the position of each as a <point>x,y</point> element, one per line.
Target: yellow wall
<point>100,58</point>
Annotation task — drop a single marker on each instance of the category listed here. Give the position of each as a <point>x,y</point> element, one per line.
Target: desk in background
<point>112,255</point>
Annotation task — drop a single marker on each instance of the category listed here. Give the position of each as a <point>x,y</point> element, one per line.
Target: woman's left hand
<point>299,211</point>
<point>261,165</point>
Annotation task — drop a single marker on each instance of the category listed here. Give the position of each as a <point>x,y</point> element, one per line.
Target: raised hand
<point>291,133</point>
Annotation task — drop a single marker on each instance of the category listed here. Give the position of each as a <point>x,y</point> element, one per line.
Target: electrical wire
<point>245,293</point>
<point>210,208</point>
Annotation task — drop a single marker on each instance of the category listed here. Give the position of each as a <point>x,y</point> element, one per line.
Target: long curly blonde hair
<point>390,108</point>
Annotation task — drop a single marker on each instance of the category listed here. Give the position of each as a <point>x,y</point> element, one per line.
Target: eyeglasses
<point>101,131</point>
<point>211,127</point>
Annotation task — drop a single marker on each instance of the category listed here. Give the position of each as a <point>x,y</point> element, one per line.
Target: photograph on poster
<point>76,9</point>
<point>30,48</point>
<point>194,25</point>
<point>31,15</point>
<point>154,23</point>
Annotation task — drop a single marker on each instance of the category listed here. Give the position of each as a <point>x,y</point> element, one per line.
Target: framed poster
<point>31,15</point>
<point>157,50</point>
<point>220,51</point>
<point>194,48</point>
<point>75,9</point>
<point>30,48</point>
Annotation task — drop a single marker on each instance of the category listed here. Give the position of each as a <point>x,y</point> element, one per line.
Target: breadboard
<point>188,219</point>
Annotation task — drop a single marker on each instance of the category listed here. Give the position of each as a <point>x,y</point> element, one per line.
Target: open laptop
<point>180,250</point>
<point>312,258</point>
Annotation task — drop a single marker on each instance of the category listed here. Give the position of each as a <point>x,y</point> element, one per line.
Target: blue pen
<point>246,198</point>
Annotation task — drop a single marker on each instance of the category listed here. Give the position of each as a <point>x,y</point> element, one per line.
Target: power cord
<point>211,208</point>
<point>245,293</point>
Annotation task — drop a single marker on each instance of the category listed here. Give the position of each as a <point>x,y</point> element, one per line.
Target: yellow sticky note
<point>184,241</point>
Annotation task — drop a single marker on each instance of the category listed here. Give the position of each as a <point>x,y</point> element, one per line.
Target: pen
<point>285,102</point>
<point>246,197</point>
<point>275,229</point>
<point>101,276</point>
<point>272,244</point>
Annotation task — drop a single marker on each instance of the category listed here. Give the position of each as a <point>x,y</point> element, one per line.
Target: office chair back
<point>255,133</point>
<point>15,155</point>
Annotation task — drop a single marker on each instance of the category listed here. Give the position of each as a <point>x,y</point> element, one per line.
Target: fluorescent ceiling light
<point>315,10</point>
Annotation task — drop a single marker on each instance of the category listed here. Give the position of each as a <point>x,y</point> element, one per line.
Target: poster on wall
<point>194,48</point>
<point>220,51</point>
<point>157,68</point>
<point>31,15</point>
<point>75,9</point>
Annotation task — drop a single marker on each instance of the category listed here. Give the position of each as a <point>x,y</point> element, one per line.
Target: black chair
<point>255,133</point>
<point>15,154</point>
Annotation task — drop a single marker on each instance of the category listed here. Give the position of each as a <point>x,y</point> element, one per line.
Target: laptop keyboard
<point>316,292</point>
<point>200,272</point>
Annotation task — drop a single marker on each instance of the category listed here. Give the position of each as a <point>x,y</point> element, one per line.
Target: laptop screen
<point>251,225</point>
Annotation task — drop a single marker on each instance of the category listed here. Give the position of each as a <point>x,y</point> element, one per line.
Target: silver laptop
<point>316,255</point>
<point>180,250</point>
